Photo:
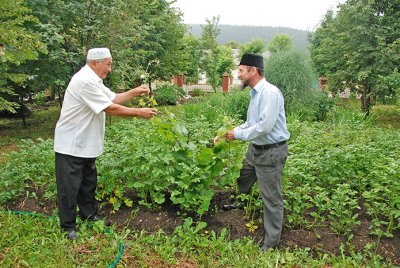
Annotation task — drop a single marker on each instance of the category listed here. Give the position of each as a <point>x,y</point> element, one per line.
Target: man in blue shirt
<point>265,129</point>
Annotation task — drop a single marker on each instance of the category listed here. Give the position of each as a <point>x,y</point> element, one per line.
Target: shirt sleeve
<point>109,93</point>
<point>237,131</point>
<point>95,98</point>
<point>269,112</point>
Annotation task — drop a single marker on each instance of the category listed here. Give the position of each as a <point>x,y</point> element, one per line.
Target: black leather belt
<point>269,146</point>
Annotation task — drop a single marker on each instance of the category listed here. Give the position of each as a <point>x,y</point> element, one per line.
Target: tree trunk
<point>151,90</point>
<point>366,99</point>
<point>23,119</point>
<point>30,94</point>
<point>59,97</point>
<point>22,110</point>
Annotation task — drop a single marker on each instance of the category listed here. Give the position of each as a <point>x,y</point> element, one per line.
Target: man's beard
<point>244,85</point>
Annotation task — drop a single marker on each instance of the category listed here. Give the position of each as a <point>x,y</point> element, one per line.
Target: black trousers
<point>76,185</point>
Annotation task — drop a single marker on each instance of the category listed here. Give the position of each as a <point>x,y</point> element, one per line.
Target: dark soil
<point>320,239</point>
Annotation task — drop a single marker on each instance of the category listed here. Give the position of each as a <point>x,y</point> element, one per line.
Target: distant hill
<point>244,34</point>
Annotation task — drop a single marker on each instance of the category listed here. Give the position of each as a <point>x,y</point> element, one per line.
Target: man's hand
<point>147,112</point>
<point>230,135</point>
<point>140,90</point>
<point>216,139</point>
<point>134,92</point>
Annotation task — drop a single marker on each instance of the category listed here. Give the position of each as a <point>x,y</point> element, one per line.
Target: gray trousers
<point>76,185</point>
<point>266,167</point>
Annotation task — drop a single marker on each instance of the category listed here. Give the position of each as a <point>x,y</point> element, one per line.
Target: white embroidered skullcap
<point>98,53</point>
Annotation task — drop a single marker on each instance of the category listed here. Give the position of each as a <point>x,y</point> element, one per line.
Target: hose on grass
<point>121,246</point>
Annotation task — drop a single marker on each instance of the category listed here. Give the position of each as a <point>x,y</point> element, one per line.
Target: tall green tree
<point>210,51</point>
<point>136,31</point>
<point>68,28</point>
<point>280,43</point>
<point>191,55</point>
<point>18,45</point>
<point>255,46</point>
<point>226,61</point>
<point>215,60</point>
<point>159,40</point>
<point>357,46</point>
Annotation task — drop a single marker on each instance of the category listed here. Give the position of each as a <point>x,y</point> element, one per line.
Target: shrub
<point>237,103</point>
<point>196,92</point>
<point>215,105</point>
<point>168,94</point>
<point>40,98</point>
<point>291,72</point>
<point>312,106</point>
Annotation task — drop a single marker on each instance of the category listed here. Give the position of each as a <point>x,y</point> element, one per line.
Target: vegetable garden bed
<point>341,186</point>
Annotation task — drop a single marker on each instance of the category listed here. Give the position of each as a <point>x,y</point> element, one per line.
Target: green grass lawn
<point>387,115</point>
<point>35,241</point>
<point>40,124</point>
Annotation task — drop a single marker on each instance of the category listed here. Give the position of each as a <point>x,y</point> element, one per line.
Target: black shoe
<point>72,235</point>
<point>234,205</point>
<point>96,218</point>
<point>266,248</point>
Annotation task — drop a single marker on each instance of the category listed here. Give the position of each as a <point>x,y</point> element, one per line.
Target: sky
<point>298,14</point>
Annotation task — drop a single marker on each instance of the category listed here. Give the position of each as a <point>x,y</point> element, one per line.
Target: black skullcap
<point>252,60</point>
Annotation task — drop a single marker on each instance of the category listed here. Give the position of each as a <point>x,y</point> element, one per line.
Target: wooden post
<point>322,82</point>
<point>174,80</point>
<point>180,80</point>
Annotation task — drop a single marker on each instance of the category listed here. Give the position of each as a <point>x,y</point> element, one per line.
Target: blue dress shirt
<point>266,120</point>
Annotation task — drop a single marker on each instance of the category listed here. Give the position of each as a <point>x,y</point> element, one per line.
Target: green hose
<point>17,212</point>
<point>121,249</point>
<point>121,246</point>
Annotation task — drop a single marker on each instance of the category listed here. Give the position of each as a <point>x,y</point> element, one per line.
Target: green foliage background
<point>359,46</point>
